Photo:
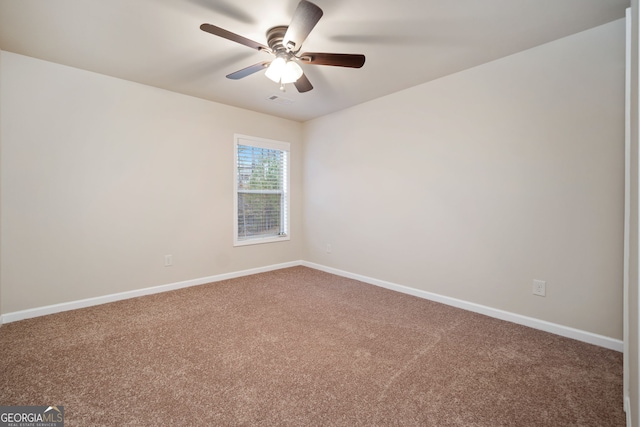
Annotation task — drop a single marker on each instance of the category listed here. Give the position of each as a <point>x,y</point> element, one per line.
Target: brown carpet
<point>301,347</point>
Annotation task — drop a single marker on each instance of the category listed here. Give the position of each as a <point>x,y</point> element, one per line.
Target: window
<point>261,196</point>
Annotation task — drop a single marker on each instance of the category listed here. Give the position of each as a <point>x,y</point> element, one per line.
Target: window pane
<point>259,215</point>
<point>259,168</point>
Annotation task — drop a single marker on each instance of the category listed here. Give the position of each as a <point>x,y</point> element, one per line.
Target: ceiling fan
<point>285,43</point>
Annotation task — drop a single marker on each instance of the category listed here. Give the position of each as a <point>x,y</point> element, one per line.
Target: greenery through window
<point>261,190</point>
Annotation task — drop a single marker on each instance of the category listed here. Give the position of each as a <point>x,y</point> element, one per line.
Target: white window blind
<point>262,203</point>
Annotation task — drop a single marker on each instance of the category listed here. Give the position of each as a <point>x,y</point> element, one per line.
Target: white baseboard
<point>554,328</point>
<point>531,322</point>
<point>74,305</point>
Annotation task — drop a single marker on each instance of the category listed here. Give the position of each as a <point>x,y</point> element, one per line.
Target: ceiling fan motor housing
<point>275,36</point>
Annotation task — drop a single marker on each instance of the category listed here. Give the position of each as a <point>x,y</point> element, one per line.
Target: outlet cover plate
<point>539,288</point>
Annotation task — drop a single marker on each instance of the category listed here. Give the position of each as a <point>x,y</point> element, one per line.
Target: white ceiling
<point>406,42</point>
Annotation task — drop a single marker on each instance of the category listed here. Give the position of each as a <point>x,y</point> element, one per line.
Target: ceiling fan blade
<point>303,84</point>
<point>335,59</point>
<point>249,70</point>
<point>221,32</point>
<point>304,19</point>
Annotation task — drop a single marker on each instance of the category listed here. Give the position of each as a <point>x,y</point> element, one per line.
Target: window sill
<point>259,241</point>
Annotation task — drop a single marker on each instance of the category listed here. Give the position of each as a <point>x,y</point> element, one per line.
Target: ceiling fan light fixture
<point>275,70</point>
<point>283,71</point>
<point>291,73</point>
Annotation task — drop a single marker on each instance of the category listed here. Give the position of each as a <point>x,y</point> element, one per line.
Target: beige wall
<point>473,185</point>
<point>102,177</point>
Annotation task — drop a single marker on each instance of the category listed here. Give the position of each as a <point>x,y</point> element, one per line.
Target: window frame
<point>269,144</point>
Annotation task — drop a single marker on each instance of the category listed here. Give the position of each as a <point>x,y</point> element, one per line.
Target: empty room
<point>319,212</point>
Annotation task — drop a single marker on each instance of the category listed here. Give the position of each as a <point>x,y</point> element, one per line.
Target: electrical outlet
<point>539,288</point>
<point>168,260</point>
<point>329,249</point>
